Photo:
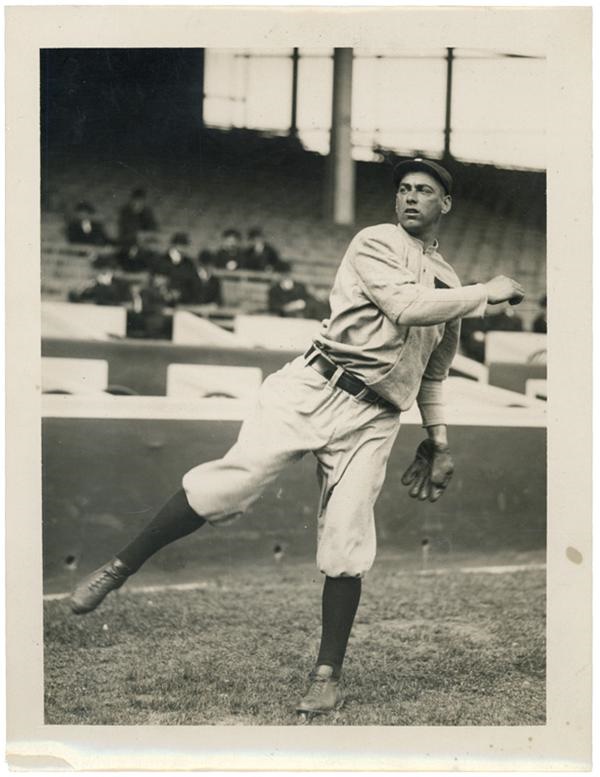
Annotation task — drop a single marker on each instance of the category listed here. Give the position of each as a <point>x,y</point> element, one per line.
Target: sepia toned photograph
<point>263,236</point>
<point>293,384</point>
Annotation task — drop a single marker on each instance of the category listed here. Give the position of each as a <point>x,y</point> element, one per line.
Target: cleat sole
<point>314,713</point>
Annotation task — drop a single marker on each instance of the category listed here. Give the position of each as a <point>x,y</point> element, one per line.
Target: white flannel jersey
<point>395,317</point>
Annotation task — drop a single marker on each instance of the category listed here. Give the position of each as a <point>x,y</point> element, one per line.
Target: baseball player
<point>396,307</point>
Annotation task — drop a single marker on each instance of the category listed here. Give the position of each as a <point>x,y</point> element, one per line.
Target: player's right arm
<point>379,261</point>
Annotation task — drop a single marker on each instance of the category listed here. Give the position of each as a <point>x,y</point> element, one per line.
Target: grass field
<point>452,649</point>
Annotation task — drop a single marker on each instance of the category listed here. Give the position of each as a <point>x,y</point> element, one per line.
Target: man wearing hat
<point>180,269</point>
<point>84,229</point>
<point>392,334</point>
<point>134,217</point>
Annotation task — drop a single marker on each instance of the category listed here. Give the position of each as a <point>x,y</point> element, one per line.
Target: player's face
<point>420,202</point>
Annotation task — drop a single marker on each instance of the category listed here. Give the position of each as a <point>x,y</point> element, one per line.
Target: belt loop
<point>362,393</point>
<point>311,354</point>
<point>339,371</point>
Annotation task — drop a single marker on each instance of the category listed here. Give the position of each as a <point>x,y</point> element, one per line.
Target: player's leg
<point>355,470</point>
<point>221,489</point>
<point>339,603</point>
<point>174,520</point>
<point>275,434</point>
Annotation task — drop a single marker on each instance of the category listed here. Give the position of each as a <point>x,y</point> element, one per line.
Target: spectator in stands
<point>473,330</point>
<point>82,228</point>
<point>138,257</point>
<point>260,255</point>
<point>107,289</point>
<point>288,297</point>
<point>156,294</point>
<point>209,289</point>
<point>147,317</point>
<point>135,217</point>
<point>540,323</point>
<point>472,338</point>
<point>317,305</point>
<point>229,255</point>
<point>180,269</point>
<point>472,335</point>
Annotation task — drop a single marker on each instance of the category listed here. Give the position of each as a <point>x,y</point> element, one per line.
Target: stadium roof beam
<point>294,115</point>
<point>201,58</point>
<point>448,119</point>
<point>339,183</point>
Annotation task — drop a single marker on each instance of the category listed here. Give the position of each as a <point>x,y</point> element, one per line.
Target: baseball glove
<point>429,473</point>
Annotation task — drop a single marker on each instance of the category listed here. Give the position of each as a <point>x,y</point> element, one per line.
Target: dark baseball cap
<point>425,166</point>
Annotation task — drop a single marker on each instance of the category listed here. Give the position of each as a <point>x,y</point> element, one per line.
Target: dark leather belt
<point>345,380</point>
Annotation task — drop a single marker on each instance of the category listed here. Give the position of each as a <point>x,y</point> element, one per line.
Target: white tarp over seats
<point>273,332</point>
<point>189,329</point>
<point>206,381</point>
<point>536,388</point>
<point>470,368</point>
<point>75,376</point>
<point>462,391</point>
<point>80,321</point>
<point>460,410</point>
<point>468,401</point>
<point>515,347</point>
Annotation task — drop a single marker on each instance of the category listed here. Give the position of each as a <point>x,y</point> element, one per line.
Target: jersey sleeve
<point>380,265</point>
<point>430,397</point>
<point>430,400</point>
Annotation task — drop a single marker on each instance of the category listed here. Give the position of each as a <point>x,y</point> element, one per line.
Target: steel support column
<point>448,119</point>
<point>341,165</point>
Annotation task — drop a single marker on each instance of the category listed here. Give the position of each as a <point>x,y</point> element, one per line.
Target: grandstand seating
<point>497,224</point>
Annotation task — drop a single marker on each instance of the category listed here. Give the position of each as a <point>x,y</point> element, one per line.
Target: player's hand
<point>504,289</point>
<point>430,472</point>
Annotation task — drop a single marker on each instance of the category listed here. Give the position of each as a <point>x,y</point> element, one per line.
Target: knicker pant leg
<point>347,538</point>
<point>278,432</point>
<point>222,490</point>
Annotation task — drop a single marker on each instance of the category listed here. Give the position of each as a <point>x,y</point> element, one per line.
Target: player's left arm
<point>432,468</point>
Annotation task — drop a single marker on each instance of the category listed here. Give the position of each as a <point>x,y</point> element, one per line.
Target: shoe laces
<point>106,577</point>
<point>318,678</point>
<point>318,682</point>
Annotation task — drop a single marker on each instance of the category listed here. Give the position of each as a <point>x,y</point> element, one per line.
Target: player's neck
<point>428,237</point>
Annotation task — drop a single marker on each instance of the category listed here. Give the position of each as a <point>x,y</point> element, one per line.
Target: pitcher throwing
<point>396,307</point>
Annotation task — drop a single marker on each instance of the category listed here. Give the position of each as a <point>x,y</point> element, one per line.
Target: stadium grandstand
<point>239,166</point>
<point>497,223</point>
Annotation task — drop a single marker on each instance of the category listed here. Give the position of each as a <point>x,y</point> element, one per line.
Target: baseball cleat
<point>324,694</point>
<point>92,589</point>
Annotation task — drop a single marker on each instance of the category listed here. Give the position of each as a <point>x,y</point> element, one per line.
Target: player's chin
<point>411,225</point>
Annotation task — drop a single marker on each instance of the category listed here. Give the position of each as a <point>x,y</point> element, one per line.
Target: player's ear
<point>446,204</point>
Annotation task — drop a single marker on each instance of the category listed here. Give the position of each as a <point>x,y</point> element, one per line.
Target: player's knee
<point>217,497</point>
<point>189,486</point>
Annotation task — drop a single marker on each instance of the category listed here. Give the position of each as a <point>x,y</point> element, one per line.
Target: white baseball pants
<point>297,411</point>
